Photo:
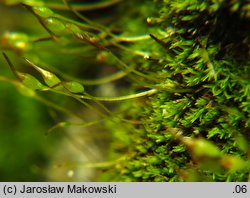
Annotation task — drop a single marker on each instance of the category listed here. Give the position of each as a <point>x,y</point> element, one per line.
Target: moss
<point>193,56</point>
<point>201,46</point>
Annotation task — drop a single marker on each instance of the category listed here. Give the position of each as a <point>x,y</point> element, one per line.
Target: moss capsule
<point>43,11</point>
<point>16,41</point>
<point>55,25</point>
<point>74,87</point>
<point>49,78</point>
<point>31,82</point>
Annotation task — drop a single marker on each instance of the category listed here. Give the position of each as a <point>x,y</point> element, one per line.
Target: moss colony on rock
<point>182,68</point>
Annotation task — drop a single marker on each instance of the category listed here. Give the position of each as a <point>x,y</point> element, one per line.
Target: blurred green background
<point>24,146</point>
<point>25,149</point>
<point>27,152</point>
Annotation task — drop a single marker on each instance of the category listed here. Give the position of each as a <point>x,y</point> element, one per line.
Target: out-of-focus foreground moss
<point>183,65</point>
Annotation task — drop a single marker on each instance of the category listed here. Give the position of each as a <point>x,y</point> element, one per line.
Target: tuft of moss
<point>190,60</point>
<point>201,70</point>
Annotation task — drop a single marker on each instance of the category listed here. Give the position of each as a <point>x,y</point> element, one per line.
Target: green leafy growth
<point>192,56</point>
